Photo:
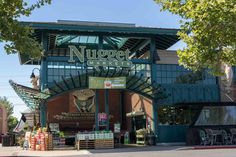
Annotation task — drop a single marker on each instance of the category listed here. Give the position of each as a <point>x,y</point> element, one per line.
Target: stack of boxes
<point>50,143</point>
<point>32,143</point>
<point>41,141</point>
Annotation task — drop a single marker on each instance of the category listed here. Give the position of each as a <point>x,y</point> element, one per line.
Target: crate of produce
<point>32,143</point>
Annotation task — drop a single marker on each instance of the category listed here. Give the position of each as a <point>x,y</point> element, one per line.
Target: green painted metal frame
<point>134,84</point>
<point>101,29</point>
<point>27,94</point>
<point>153,79</point>
<point>109,32</point>
<point>43,79</point>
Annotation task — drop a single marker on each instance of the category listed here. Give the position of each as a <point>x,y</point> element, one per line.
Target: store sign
<point>107,83</point>
<point>54,127</point>
<point>84,100</point>
<point>116,127</point>
<point>108,58</point>
<point>102,119</point>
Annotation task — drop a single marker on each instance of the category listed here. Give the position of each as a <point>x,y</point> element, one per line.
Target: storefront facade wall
<point>56,106</point>
<point>167,71</point>
<point>160,65</point>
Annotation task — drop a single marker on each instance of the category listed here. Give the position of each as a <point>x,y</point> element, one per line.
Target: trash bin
<point>5,140</point>
<point>151,140</point>
<point>126,138</point>
<point>12,139</point>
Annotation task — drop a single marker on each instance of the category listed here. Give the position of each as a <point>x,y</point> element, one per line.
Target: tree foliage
<point>7,104</point>
<point>15,34</point>
<point>212,27</point>
<point>11,120</point>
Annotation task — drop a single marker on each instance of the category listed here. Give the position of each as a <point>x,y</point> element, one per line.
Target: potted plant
<point>62,138</point>
<point>141,136</point>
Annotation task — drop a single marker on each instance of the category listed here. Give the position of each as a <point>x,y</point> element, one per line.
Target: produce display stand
<point>85,144</point>
<point>97,140</point>
<point>104,140</point>
<point>40,141</point>
<point>85,140</point>
<point>104,143</point>
<point>140,139</point>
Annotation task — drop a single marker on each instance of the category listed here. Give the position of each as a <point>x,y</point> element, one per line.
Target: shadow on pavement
<point>124,149</point>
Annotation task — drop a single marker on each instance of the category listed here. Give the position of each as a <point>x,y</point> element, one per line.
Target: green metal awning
<point>134,83</point>
<point>27,94</point>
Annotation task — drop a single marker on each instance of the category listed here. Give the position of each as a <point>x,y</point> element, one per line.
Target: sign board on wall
<point>107,83</point>
<point>116,127</point>
<point>102,118</point>
<point>54,127</point>
<point>95,58</point>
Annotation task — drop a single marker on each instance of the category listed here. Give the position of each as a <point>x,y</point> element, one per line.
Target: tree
<point>17,36</point>
<point>11,120</point>
<point>209,30</point>
<point>8,105</point>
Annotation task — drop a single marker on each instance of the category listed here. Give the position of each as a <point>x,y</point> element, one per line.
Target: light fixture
<point>32,74</point>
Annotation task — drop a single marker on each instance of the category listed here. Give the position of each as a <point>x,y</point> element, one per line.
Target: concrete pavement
<point>159,151</point>
<point>18,151</point>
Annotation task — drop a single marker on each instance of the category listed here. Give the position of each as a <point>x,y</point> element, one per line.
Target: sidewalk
<point>140,151</point>
<point>17,151</point>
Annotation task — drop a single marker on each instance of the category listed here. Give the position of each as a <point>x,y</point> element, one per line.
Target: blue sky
<point>140,12</point>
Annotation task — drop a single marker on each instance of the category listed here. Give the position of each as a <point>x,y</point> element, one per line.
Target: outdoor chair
<point>204,138</point>
<point>233,135</point>
<point>226,138</point>
<point>211,135</point>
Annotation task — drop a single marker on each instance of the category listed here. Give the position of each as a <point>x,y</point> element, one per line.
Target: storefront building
<point>94,75</point>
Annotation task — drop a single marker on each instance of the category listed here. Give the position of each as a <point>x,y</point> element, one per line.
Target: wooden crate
<point>50,142</point>
<point>85,144</point>
<point>104,143</point>
<point>140,139</point>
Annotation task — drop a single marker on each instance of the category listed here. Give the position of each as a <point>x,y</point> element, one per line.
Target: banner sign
<point>107,82</point>
<point>95,58</point>
<point>116,127</point>
<point>54,127</point>
<point>102,119</point>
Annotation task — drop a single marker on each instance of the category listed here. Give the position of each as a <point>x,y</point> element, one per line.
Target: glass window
<point>217,115</point>
<point>170,73</point>
<point>174,115</point>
